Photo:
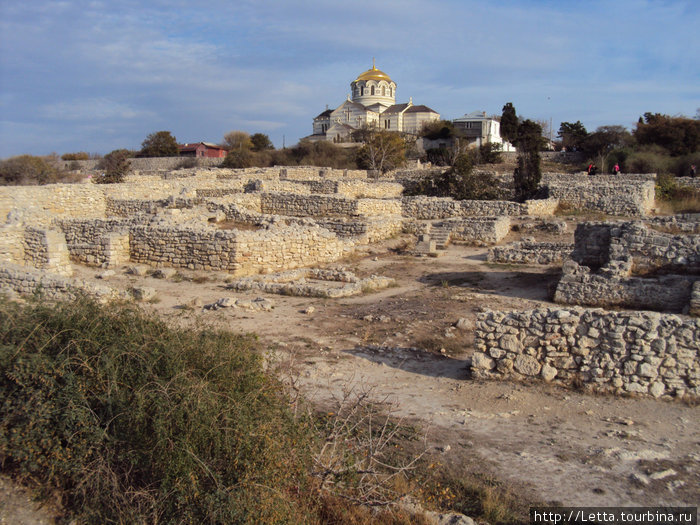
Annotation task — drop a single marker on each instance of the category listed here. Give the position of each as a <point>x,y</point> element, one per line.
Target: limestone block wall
<point>530,252</point>
<point>284,248</point>
<point>12,244</point>
<point>682,223</point>
<point>47,250</point>
<point>240,252</point>
<point>541,207</point>
<point>307,205</point>
<point>487,230</point>
<point>689,182</point>
<point>130,207</point>
<point>426,208</point>
<point>108,251</point>
<point>27,281</point>
<point>364,189</point>
<point>39,205</point>
<point>635,198</point>
<point>372,207</point>
<point>582,178</point>
<point>179,247</point>
<point>365,230</point>
<point>636,352</point>
<point>648,250</point>
<point>578,285</point>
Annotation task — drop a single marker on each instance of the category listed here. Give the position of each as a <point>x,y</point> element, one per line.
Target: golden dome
<point>373,74</point>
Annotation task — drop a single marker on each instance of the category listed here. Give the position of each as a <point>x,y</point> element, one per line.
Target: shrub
<point>28,169</point>
<point>237,159</point>
<point>81,155</point>
<point>136,422</point>
<point>187,163</point>
<point>115,166</point>
<point>459,182</point>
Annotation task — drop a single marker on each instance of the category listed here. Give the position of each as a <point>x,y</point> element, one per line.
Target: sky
<point>96,75</point>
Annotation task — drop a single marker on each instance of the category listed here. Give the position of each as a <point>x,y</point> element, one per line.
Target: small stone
<point>309,310</point>
<point>226,302</point>
<point>106,274</point>
<point>143,293</point>
<point>464,324</point>
<point>663,474</point>
<point>657,389</point>
<point>482,361</point>
<point>527,365</point>
<point>548,372</point>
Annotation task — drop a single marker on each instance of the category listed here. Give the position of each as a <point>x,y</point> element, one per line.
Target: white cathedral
<point>373,104</point>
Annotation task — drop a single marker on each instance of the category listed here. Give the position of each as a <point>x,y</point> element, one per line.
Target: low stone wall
<point>358,189</point>
<point>365,231</point>
<point>583,178</point>
<point>375,207</point>
<point>688,182</point>
<point>427,208</point>
<point>283,248</point>
<point>530,252</point>
<point>620,198</point>
<point>27,281</point>
<point>241,252</point>
<point>46,250</point>
<point>109,251</point>
<point>681,223</point>
<point>147,163</point>
<point>39,205</point>
<point>306,205</point>
<point>668,293</point>
<point>621,352</point>
<point>646,249</point>
<point>479,230</point>
<point>12,244</point>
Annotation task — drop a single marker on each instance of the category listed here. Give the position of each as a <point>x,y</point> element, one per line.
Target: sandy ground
<point>551,444</point>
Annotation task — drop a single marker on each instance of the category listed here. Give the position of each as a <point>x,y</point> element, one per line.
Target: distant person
<point>590,169</point>
<point>616,169</point>
<point>693,170</point>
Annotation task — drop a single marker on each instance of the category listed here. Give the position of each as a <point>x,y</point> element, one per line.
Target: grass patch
<point>673,198</point>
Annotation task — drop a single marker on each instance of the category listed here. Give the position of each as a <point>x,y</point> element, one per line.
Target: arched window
<point>372,90</point>
<point>383,91</point>
<point>391,92</point>
<point>362,91</point>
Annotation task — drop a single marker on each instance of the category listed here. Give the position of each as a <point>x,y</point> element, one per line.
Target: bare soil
<point>550,444</point>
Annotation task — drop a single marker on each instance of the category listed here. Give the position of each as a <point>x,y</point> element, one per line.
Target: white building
<point>480,129</point>
<point>372,103</point>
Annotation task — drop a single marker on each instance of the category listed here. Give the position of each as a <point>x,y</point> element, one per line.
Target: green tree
<point>603,141</point>
<point>382,150</point>
<point>439,129</point>
<point>159,144</point>
<point>509,123</point>
<point>261,142</point>
<point>678,135</point>
<point>572,135</point>
<point>527,174</point>
<point>115,165</point>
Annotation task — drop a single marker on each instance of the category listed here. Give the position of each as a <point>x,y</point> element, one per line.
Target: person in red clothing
<point>616,169</point>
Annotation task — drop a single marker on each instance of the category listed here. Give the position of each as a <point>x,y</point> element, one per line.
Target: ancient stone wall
<point>629,264</point>
<point>38,205</point>
<point>622,352</point>
<point>635,198</point>
<point>46,250</point>
<point>530,252</point>
<point>426,208</point>
<point>307,205</point>
<point>27,281</point>
<point>365,230</point>
<point>12,244</point>
<point>668,293</point>
<point>481,230</point>
<point>648,250</point>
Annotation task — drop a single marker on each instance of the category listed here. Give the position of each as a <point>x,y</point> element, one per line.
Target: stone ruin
<point>271,229</point>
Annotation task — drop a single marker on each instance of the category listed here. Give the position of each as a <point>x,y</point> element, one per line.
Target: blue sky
<point>100,75</point>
